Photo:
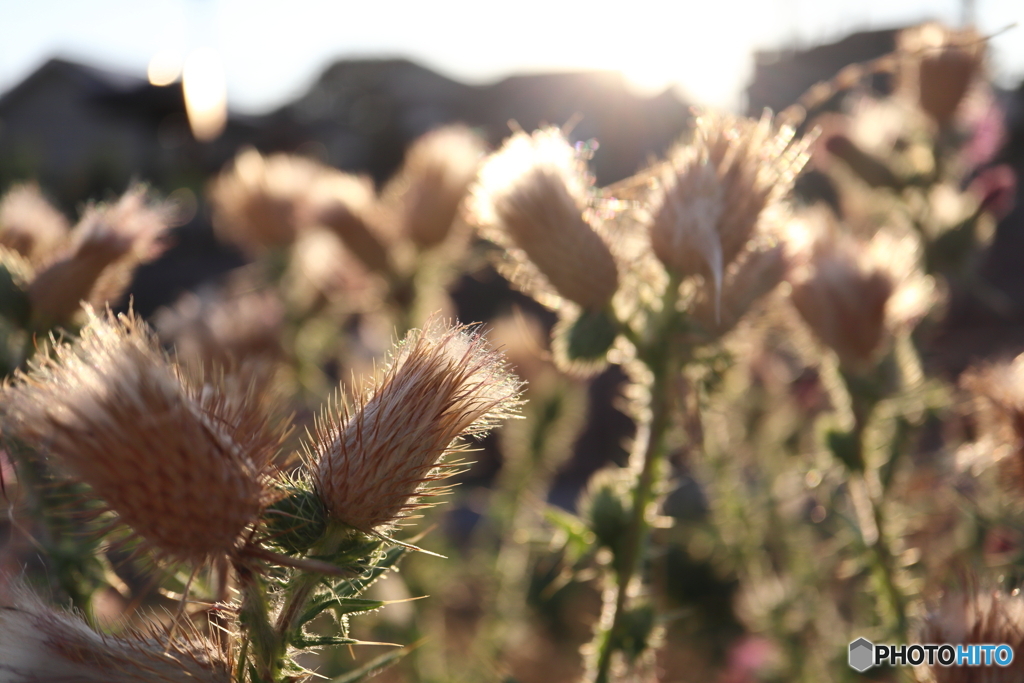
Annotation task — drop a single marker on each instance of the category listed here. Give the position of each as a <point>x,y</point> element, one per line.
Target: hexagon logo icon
<point>862,655</point>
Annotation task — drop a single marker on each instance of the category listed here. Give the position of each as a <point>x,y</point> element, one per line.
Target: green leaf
<point>374,666</point>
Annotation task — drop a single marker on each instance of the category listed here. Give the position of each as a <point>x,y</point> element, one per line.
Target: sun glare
<point>205,93</point>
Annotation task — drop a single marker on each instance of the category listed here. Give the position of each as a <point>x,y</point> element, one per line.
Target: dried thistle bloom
<point>436,175</point>
<point>375,461</point>
<point>714,191</point>
<point>347,205</point>
<point>975,619</point>
<point>854,294</point>
<point>180,461</point>
<point>939,64</point>
<point>106,247</point>
<point>38,643</point>
<point>531,199</point>
<point>29,224</point>
<point>258,200</point>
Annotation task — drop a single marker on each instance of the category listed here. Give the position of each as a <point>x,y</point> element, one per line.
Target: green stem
<point>660,357</point>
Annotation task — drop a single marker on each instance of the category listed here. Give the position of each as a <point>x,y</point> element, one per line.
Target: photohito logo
<point>864,654</point>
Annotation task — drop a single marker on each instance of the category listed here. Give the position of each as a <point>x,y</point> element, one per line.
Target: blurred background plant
<point>769,388</point>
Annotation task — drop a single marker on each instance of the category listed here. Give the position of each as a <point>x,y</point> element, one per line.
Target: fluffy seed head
<point>258,200</point>
<point>714,191</point>
<point>975,619</point>
<point>181,462</point>
<point>376,460</point>
<point>530,199</point>
<point>106,247</point>
<point>435,177</point>
<point>29,224</point>
<point>999,392</point>
<point>38,643</point>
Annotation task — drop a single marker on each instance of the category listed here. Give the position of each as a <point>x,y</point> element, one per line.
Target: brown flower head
<point>182,462</point>
<point>375,461</point>
<point>106,247</point>
<point>258,200</point>
<point>939,64</point>
<point>531,199</point>
<point>428,190</point>
<point>29,224</point>
<point>975,619</point>
<point>999,411</point>
<point>347,205</point>
<point>854,294</point>
<point>38,643</point>
<point>714,191</point>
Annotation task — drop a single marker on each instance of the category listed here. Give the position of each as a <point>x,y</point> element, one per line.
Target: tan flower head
<point>38,643</point>
<point>999,410</point>
<point>375,461</point>
<point>938,64</point>
<point>29,224</point>
<point>714,191</point>
<point>347,205</point>
<point>842,296</point>
<point>854,294</point>
<point>975,619</point>
<point>436,175</point>
<point>180,461</point>
<point>531,199</point>
<point>106,247</point>
<point>257,201</point>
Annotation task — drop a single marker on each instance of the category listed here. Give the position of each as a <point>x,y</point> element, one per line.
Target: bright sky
<point>273,50</point>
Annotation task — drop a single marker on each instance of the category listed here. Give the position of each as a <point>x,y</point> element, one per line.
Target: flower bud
<point>29,224</point>
<point>107,245</point>
<point>714,190</point>
<point>182,462</point>
<point>376,460</point>
<point>530,199</point>
<point>435,177</point>
<point>940,64</point>
<point>38,643</point>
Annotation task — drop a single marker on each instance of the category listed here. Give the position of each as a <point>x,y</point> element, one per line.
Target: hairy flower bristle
<point>714,191</point>
<point>106,247</point>
<point>180,461</point>
<point>375,461</point>
<point>29,224</point>
<point>436,175</point>
<point>38,643</point>
<point>531,199</point>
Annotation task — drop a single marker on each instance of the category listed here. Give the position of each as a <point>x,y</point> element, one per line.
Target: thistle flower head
<point>38,643</point>
<point>854,294</point>
<point>257,201</point>
<point>106,247</point>
<point>348,206</point>
<point>938,65</point>
<point>975,619</point>
<point>29,224</point>
<point>531,199</point>
<point>180,461</point>
<point>714,191</point>
<point>375,461</point>
<point>435,177</point>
